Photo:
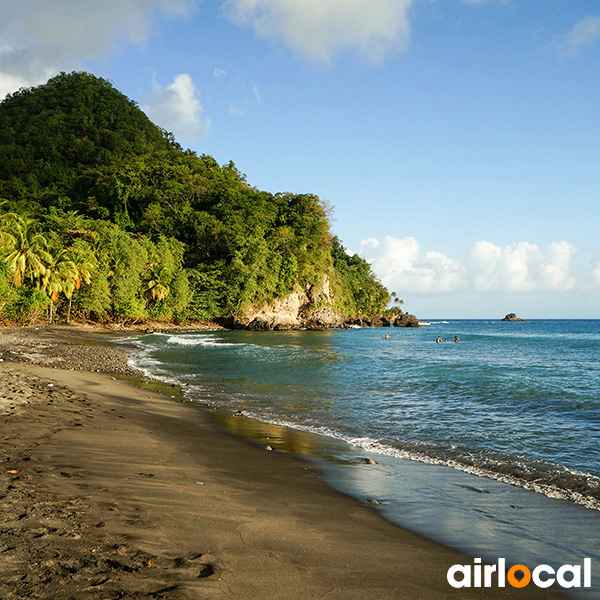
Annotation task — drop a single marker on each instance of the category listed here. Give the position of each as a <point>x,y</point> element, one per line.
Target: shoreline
<point>120,490</point>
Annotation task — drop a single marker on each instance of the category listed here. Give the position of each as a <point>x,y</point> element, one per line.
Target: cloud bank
<point>401,264</point>
<point>177,109</point>
<point>320,31</point>
<point>485,267</point>
<point>41,38</point>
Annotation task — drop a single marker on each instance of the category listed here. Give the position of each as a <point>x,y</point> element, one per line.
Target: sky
<point>457,141</point>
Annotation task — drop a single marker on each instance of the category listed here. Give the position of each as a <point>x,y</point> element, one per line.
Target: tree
<point>125,258</point>
<point>155,286</point>
<point>60,275</point>
<point>395,310</point>
<point>8,293</point>
<point>169,232</point>
<point>85,265</point>
<point>24,250</point>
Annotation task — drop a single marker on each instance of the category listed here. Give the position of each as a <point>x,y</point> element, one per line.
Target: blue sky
<point>457,140</point>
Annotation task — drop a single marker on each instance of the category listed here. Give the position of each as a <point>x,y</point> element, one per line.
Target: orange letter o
<point>514,581</point>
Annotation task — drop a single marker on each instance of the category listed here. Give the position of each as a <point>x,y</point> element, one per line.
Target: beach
<point>111,490</point>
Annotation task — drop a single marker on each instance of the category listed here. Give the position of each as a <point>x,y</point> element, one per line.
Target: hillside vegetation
<point>104,216</point>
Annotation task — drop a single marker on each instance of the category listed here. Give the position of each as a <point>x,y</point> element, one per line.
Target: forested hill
<point>104,216</point>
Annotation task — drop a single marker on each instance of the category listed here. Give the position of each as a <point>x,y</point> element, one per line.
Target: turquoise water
<point>448,424</point>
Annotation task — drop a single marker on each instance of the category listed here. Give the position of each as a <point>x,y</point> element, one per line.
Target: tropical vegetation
<point>104,216</point>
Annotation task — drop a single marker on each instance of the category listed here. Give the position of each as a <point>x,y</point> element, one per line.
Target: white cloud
<point>218,73</point>
<point>585,33</point>
<point>41,38</point>
<point>518,268</point>
<point>320,30</point>
<point>402,265</point>
<point>521,267</point>
<point>177,109</point>
<point>370,243</point>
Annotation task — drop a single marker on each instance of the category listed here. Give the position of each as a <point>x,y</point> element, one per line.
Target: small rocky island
<point>512,317</point>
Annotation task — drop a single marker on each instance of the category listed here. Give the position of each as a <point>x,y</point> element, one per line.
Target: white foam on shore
<point>198,340</point>
<point>377,447</point>
<point>152,369</point>
<point>147,365</point>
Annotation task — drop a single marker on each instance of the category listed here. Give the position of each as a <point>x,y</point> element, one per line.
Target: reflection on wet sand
<point>281,438</point>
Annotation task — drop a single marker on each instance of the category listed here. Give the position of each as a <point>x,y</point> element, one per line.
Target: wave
<point>150,368</point>
<point>555,482</point>
<point>196,340</point>
<point>562,483</point>
<point>545,477</point>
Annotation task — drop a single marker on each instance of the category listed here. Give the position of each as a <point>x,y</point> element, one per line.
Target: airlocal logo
<point>519,576</point>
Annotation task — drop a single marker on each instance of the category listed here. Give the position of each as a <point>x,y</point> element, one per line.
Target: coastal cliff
<point>311,308</point>
<point>105,218</point>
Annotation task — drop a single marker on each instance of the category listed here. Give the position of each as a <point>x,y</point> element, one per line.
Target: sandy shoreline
<point>110,491</point>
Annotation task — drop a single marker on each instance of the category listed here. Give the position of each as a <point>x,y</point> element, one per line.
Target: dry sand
<point>109,491</point>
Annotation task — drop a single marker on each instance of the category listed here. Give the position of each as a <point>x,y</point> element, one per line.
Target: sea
<point>489,444</point>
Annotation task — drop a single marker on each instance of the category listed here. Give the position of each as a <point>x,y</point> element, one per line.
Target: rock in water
<point>512,317</point>
<point>406,320</point>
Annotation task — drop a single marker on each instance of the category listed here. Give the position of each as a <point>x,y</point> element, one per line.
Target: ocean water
<point>491,444</point>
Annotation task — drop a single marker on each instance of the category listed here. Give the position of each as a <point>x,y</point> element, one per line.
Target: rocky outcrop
<point>512,317</point>
<point>357,322</point>
<point>380,322</point>
<point>311,308</point>
<point>406,320</point>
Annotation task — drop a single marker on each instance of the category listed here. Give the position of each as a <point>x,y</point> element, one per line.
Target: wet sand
<point>110,491</point>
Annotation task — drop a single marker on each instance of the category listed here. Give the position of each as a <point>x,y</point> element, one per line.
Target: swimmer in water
<point>438,340</point>
<point>456,339</point>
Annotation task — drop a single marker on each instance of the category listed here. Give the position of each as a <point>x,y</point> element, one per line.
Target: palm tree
<point>61,272</point>
<point>6,216</point>
<point>155,283</point>
<point>24,250</point>
<point>395,309</point>
<point>397,301</point>
<point>85,266</point>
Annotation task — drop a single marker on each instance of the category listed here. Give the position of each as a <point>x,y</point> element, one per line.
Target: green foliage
<point>125,258</point>
<point>165,283</point>
<point>111,214</point>
<point>52,133</point>
<point>95,301</point>
<point>24,249</point>
<point>394,311</point>
<point>179,299</point>
<point>208,293</point>
<point>288,274</point>
<point>8,293</point>
<point>29,306</point>
<point>60,276</point>
<point>359,289</point>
